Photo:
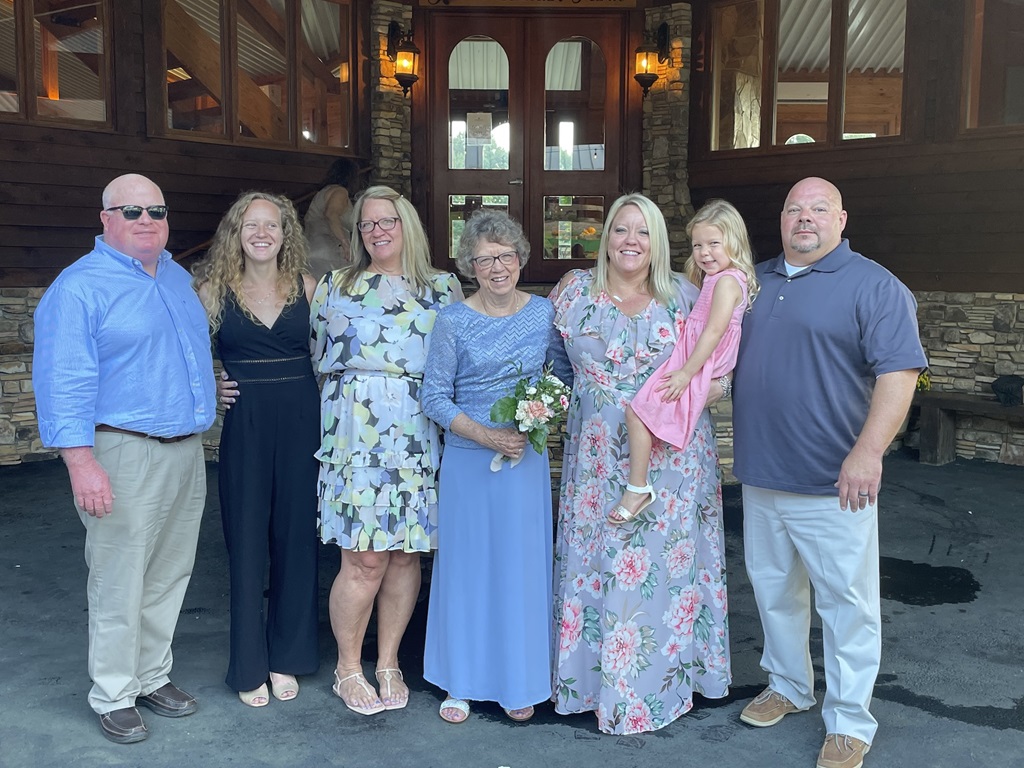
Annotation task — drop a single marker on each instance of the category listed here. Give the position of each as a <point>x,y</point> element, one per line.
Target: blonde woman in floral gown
<point>640,608</point>
<point>379,452</point>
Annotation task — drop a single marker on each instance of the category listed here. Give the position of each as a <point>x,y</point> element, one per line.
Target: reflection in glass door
<point>478,125</point>
<point>530,129</point>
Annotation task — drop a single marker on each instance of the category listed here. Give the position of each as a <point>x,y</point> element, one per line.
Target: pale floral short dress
<point>378,453</point>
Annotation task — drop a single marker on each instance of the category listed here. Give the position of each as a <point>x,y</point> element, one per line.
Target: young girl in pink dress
<point>667,406</point>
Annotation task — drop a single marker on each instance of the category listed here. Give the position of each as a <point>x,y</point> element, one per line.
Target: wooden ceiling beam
<point>265,21</point>
<point>187,42</point>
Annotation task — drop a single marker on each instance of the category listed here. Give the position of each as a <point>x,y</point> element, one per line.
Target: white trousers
<point>792,542</point>
<point>140,560</point>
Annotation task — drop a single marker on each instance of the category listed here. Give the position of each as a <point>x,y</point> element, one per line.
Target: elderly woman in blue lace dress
<point>489,634</point>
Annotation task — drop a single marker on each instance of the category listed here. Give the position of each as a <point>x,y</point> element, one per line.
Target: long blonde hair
<point>659,276</point>
<point>416,266</point>
<point>224,266</point>
<point>735,240</point>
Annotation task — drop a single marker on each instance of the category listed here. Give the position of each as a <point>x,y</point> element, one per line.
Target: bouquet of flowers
<point>535,407</point>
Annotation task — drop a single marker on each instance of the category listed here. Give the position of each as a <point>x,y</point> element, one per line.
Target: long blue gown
<point>489,632</point>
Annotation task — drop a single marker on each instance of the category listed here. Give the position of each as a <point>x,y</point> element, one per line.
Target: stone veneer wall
<point>970,339</point>
<point>666,129</point>
<point>19,428</point>
<point>390,111</point>
<point>19,433</point>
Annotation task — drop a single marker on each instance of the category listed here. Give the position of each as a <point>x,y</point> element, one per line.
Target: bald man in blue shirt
<point>124,387</point>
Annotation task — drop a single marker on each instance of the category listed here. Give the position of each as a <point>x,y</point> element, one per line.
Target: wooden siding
<point>51,181</point>
<point>940,207</point>
<point>51,177</point>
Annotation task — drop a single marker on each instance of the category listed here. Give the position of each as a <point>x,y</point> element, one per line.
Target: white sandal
<point>458,704</point>
<point>367,688</point>
<point>385,684</point>
<point>623,514</point>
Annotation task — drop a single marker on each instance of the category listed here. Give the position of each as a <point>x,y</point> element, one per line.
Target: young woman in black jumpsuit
<point>256,294</point>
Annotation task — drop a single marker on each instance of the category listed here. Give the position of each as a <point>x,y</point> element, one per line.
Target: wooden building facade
<point>914,108</point>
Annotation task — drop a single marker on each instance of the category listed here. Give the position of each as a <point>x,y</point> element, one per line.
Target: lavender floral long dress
<point>640,609</point>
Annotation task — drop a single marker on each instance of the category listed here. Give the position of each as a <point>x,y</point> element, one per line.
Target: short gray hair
<point>495,227</point>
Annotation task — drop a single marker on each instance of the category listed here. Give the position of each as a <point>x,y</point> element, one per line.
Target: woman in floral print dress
<point>379,452</point>
<point>640,607</point>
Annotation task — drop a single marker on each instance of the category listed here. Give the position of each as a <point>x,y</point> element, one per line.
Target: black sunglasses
<point>133,212</point>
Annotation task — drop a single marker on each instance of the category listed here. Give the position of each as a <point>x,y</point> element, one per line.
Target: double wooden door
<point>526,114</point>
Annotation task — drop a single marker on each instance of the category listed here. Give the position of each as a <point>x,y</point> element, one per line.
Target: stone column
<point>666,129</point>
<point>390,111</point>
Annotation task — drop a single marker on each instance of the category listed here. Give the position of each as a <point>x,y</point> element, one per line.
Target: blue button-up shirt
<point>116,346</point>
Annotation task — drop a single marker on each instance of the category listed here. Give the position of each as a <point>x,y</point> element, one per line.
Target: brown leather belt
<point>118,430</point>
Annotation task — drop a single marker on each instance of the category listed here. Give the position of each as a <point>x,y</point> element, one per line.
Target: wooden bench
<point>938,420</point>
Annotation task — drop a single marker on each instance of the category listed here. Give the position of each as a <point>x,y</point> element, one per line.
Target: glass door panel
<point>572,226</point>
<point>478,124</point>
<point>574,116</point>
<point>461,207</point>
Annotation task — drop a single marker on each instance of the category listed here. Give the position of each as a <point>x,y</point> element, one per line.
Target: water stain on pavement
<point>913,583</point>
<point>987,716</point>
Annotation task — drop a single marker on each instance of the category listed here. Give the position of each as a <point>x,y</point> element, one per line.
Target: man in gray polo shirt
<point>827,367</point>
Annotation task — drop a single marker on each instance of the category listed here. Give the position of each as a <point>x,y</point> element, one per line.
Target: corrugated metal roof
<point>875,35</point>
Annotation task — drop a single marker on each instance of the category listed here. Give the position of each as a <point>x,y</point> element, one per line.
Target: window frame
<point>25,62</point>
<point>972,38</point>
<point>157,96</point>
<point>704,56</point>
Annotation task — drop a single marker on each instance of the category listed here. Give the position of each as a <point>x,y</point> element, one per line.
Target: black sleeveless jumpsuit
<point>268,496</point>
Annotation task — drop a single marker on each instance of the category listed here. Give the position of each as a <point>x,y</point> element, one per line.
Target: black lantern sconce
<point>648,55</point>
<point>406,56</point>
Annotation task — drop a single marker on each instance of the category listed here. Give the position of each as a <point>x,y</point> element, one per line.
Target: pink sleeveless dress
<point>674,422</point>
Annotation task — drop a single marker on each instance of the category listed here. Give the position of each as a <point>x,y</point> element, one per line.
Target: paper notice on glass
<point>478,129</point>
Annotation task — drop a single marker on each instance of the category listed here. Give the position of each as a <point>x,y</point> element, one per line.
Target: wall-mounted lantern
<point>406,56</point>
<point>648,54</point>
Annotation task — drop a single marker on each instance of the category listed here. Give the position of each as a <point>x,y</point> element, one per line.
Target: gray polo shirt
<point>812,346</point>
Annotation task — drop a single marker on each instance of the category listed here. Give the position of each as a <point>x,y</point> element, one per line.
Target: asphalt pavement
<point>950,693</point>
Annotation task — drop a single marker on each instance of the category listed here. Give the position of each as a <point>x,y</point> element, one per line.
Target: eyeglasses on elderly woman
<point>486,262</point>
<point>133,212</point>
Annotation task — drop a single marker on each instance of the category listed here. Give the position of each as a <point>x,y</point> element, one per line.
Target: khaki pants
<point>793,542</point>
<point>140,560</point>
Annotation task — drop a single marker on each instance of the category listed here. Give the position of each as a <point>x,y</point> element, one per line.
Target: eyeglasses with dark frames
<point>387,224</point>
<point>486,262</point>
<point>134,212</point>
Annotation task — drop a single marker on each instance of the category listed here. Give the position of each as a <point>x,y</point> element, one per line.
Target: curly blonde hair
<point>735,241</point>
<point>223,268</point>
<point>416,266</point>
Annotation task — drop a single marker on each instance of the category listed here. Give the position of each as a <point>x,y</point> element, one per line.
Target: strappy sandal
<point>285,688</point>
<point>457,704</point>
<point>385,685</point>
<point>620,514</point>
<point>258,697</point>
<point>520,715</point>
<point>361,681</point>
